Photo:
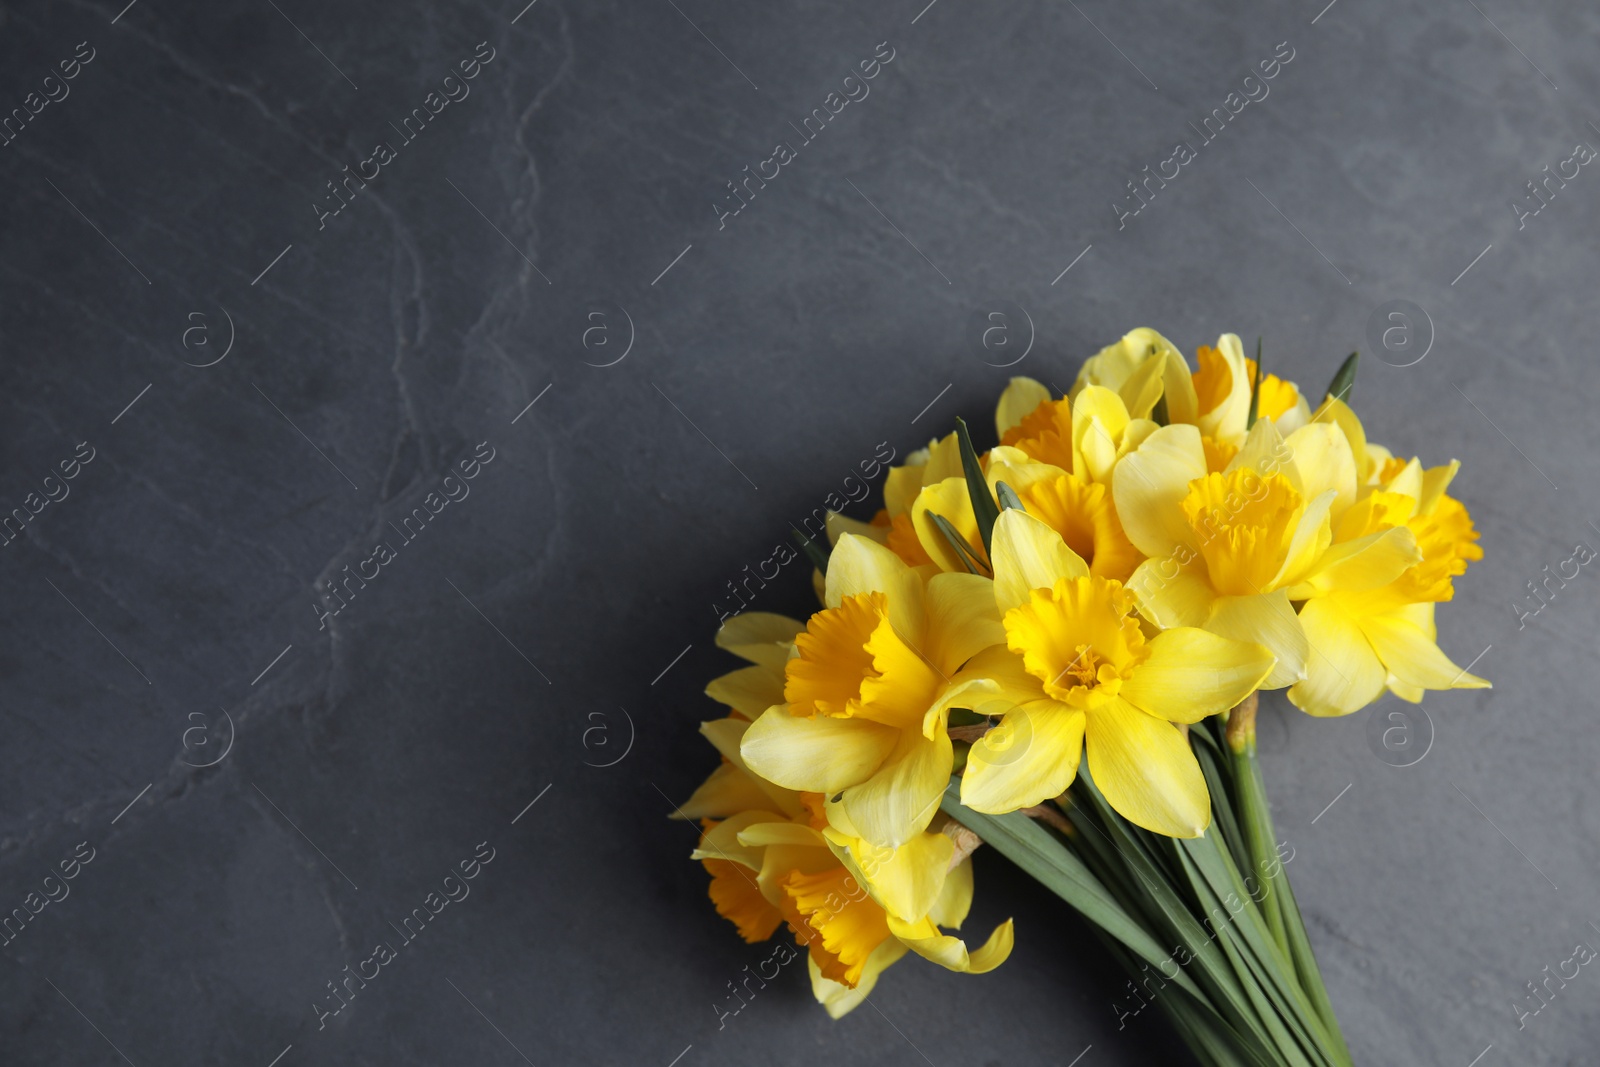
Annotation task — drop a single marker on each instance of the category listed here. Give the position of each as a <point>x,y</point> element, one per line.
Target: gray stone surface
<point>486,664</point>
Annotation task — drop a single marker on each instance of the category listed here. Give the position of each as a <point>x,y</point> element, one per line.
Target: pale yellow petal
<point>726,736</point>
<point>762,834</point>
<point>858,566</point>
<point>839,525</point>
<point>1323,460</point>
<point>1264,620</point>
<point>1144,386</point>
<point>901,486</point>
<point>1367,562</point>
<point>1021,396</point>
<point>1171,595</point>
<point>1343,673</point>
<point>1226,422</point>
<point>1030,757</point>
<point>1013,685</point>
<point>1311,539</point>
<point>726,792</point>
<point>1016,468</point>
<point>1339,413</point>
<point>950,500</point>
<point>1412,656</point>
<point>721,842</point>
<point>749,690</point>
<point>1146,771</point>
<point>759,636</point>
<point>1265,452</point>
<point>951,953</point>
<point>962,620</point>
<point>907,880</point>
<point>819,755</point>
<point>955,899</point>
<point>902,796</point>
<point>1435,480</point>
<point>1098,419</point>
<point>837,999</point>
<point>1029,555</point>
<point>1150,484</point>
<point>1190,674</point>
<point>1408,481</point>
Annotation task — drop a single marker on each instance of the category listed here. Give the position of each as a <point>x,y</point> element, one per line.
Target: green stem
<point>1291,931</point>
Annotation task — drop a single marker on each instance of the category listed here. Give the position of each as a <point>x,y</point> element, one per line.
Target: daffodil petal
<point>1145,769</point>
<point>962,619</point>
<point>1323,460</point>
<point>1170,595</point>
<point>726,792</point>
<point>1028,555</point>
<point>1029,757</point>
<point>748,690</point>
<point>759,636</point>
<point>1343,673</point>
<point>1435,480</point>
<point>1311,539</point>
<point>951,952</point>
<point>1265,452</point>
<point>838,525</point>
<point>1021,396</point>
<point>726,736</point>
<point>858,566</point>
<point>955,897</point>
<point>1150,484</point>
<point>819,755</point>
<point>762,834</point>
<point>1144,386</point>
<point>1264,620</point>
<point>1370,561</point>
<point>902,796</point>
<point>1413,657</point>
<point>1012,684</point>
<point>721,842</point>
<point>950,500</point>
<point>837,999</point>
<point>907,880</point>
<point>1192,673</point>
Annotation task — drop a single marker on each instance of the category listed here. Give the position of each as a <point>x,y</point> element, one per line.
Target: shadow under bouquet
<point>1055,648</point>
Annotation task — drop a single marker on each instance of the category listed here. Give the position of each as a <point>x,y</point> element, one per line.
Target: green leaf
<point>1264,969</point>
<point>983,505</point>
<point>1345,380</point>
<point>1213,1042</point>
<point>1255,390</point>
<point>814,552</point>
<point>1051,864</point>
<point>1233,995</point>
<point>1260,844</point>
<point>964,552</point>
<point>1008,497</point>
<point>1253,808</point>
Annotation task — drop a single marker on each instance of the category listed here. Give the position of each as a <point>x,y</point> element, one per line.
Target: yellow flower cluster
<point>1169,541</point>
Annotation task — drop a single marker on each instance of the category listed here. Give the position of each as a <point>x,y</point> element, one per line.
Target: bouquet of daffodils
<point>1054,648</point>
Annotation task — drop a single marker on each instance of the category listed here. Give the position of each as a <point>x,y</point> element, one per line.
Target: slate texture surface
<point>253,390</point>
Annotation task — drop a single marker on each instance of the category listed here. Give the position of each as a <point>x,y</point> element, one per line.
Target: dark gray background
<point>380,751</point>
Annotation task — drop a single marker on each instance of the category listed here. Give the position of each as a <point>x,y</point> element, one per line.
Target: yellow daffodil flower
<point>868,691</point>
<point>855,907</point>
<point>1372,627</point>
<point>1142,368</point>
<point>1077,671</point>
<point>1224,548</point>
